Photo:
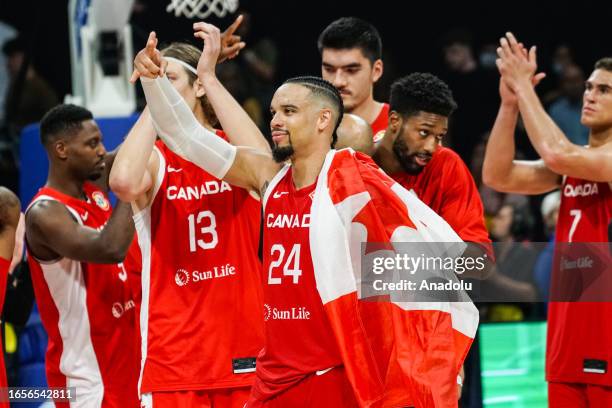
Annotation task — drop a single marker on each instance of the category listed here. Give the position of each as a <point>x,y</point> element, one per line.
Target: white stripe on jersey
<point>78,362</point>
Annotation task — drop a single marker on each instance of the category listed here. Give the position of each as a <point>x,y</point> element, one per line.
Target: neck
<point>384,156</point>
<point>368,109</point>
<point>65,183</point>
<point>306,168</point>
<point>600,137</point>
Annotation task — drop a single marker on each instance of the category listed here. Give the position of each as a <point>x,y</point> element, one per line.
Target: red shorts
<point>222,398</point>
<point>573,395</point>
<point>329,390</point>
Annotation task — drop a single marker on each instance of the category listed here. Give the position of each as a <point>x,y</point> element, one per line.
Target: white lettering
<point>581,190</point>
<point>197,192</point>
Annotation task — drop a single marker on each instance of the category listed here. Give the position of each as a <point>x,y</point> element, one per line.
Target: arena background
<point>512,353</point>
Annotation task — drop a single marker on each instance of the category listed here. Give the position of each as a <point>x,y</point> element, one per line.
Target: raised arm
<point>558,153</point>
<point>53,232</point>
<point>237,124</point>
<point>135,166</point>
<point>500,171</point>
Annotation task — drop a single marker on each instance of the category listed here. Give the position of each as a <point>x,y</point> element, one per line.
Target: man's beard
<point>281,154</point>
<point>406,159</point>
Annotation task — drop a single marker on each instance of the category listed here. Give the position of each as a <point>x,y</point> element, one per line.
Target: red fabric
<point>224,398</point>
<point>448,188</point>
<point>392,356</point>
<point>380,123</point>
<point>109,311</point>
<point>329,390</point>
<point>567,395</point>
<point>4,268</point>
<point>204,307</point>
<point>581,330</point>
<point>295,347</point>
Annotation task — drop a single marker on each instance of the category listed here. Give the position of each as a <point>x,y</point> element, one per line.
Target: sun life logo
<point>182,277</point>
<point>267,312</point>
<point>100,200</point>
<point>117,309</point>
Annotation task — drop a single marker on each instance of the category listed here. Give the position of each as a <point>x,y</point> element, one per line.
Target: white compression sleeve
<point>182,133</point>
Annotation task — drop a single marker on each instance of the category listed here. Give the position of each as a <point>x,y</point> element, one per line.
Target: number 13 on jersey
<point>206,237</point>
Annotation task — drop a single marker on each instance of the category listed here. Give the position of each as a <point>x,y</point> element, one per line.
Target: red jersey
<point>88,313</point>
<point>201,325</point>
<point>380,123</point>
<point>299,338</point>
<point>4,270</point>
<point>579,338</point>
<point>447,187</point>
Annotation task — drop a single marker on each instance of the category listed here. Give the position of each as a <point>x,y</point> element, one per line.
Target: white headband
<point>183,63</point>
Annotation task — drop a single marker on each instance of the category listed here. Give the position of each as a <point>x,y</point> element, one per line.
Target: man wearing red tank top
<point>9,219</point>
<point>201,312</point>
<point>351,52</point>
<point>578,359</point>
<point>75,249</point>
<point>304,363</point>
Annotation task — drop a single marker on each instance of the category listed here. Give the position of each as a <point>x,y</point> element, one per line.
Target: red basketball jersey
<point>579,339</point>
<point>447,187</point>
<point>4,269</point>
<point>299,338</point>
<point>380,123</point>
<point>88,313</point>
<point>201,312</point>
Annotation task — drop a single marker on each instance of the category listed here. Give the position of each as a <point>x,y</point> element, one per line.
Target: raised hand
<point>149,62</point>
<point>231,44</point>
<point>516,65</point>
<point>212,47</point>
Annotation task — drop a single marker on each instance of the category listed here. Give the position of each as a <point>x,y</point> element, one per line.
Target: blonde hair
<point>190,55</point>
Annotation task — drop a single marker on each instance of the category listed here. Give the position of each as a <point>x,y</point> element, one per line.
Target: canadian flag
<point>396,353</point>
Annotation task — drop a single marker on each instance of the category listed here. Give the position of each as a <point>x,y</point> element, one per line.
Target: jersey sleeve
<point>462,207</point>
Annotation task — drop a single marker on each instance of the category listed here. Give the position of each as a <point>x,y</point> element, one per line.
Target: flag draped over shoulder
<point>395,353</point>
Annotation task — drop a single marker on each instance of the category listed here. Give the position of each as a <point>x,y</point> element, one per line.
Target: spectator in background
<point>544,263</point>
<point>259,61</point>
<point>232,77</point>
<point>29,96</point>
<point>6,33</point>
<point>515,257</point>
<point>567,108</point>
<point>469,83</point>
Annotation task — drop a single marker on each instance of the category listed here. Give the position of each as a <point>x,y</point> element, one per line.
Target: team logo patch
<point>117,310</point>
<point>379,136</point>
<point>100,200</point>
<point>181,278</point>
<point>267,312</point>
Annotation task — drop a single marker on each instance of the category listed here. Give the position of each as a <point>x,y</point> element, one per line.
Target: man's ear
<point>377,70</point>
<point>60,149</point>
<point>199,89</point>
<point>325,119</point>
<point>395,122</point>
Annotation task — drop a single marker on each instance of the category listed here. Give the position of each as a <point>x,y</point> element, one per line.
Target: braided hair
<point>322,89</point>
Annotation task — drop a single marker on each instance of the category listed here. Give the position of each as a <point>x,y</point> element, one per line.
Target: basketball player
<point>351,52</point>
<point>75,250</point>
<point>9,219</point>
<point>201,314</point>
<point>578,339</point>
<point>301,364</point>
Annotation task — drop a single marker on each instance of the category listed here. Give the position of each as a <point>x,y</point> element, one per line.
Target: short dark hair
<point>62,119</point>
<point>322,88</point>
<point>352,32</point>
<point>604,63</point>
<point>421,92</point>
